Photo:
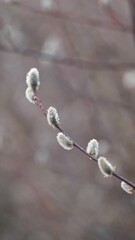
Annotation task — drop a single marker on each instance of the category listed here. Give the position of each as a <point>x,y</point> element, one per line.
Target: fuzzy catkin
<point>53,117</point>
<point>105,167</point>
<point>128,189</point>
<point>93,147</point>
<point>29,93</point>
<point>32,79</point>
<point>64,141</point>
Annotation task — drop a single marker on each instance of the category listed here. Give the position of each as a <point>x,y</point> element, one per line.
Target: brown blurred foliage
<point>46,192</point>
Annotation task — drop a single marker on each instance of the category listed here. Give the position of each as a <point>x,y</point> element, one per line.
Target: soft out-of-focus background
<point>85,53</point>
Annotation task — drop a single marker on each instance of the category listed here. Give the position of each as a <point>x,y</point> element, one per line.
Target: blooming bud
<point>105,167</point>
<point>30,94</point>
<point>64,141</point>
<point>52,117</point>
<point>93,147</point>
<point>32,79</point>
<point>127,188</point>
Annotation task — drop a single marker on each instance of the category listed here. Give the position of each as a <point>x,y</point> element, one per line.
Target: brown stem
<point>124,179</point>
<point>111,13</point>
<point>116,175</point>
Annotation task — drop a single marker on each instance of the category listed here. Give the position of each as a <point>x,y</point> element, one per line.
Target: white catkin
<point>30,94</point>
<point>52,117</point>
<point>105,167</point>
<point>32,79</point>
<point>93,147</point>
<point>128,189</point>
<point>64,141</point>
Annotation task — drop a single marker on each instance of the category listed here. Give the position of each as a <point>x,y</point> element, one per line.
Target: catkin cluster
<point>33,82</point>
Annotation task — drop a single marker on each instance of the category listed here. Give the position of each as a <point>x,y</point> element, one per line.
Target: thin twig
<point>113,16</point>
<point>116,175</point>
<point>80,63</point>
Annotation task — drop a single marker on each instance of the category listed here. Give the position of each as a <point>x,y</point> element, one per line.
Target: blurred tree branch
<point>132,10</point>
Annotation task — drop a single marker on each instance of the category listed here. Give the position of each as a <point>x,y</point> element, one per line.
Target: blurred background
<point>85,53</point>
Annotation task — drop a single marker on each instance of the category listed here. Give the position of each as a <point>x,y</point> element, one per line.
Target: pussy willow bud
<point>32,79</point>
<point>93,147</point>
<point>30,94</point>
<point>53,117</point>
<point>127,188</point>
<point>64,141</point>
<point>105,167</point>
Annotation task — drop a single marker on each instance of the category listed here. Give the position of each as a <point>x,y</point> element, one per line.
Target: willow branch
<point>116,175</point>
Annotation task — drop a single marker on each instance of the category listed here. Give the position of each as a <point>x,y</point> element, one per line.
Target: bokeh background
<point>85,53</point>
